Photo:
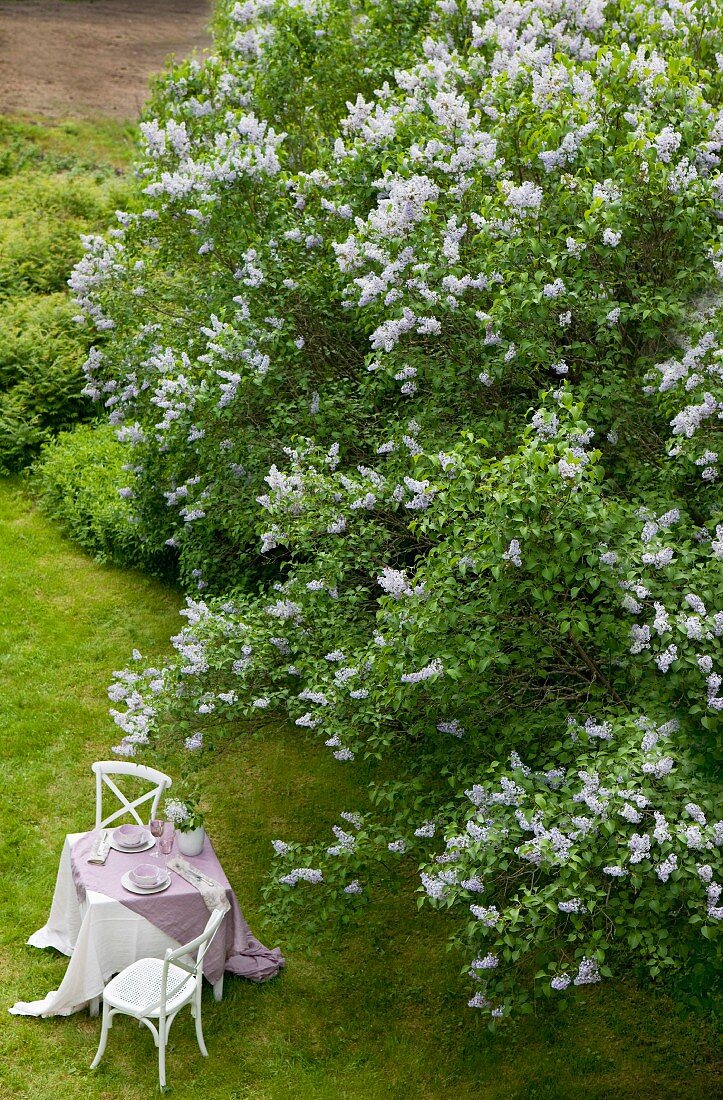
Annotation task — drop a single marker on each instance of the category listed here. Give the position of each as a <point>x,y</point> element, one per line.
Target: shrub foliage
<point>47,198</point>
<point>412,334</point>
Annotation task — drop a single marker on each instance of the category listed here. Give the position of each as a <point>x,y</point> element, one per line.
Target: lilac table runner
<point>180,911</point>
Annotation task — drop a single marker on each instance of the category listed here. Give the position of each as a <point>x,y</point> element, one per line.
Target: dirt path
<point>86,58</point>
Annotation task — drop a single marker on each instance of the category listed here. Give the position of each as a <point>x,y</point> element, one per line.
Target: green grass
<point>376,1013</point>
<point>103,145</point>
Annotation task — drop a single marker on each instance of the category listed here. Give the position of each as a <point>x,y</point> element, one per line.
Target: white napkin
<point>101,848</point>
<point>212,892</point>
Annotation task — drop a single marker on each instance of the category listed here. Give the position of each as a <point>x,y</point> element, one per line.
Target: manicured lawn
<point>375,1014</point>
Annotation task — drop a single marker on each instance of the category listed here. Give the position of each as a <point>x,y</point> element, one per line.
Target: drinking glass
<point>157,831</point>
<point>166,841</point>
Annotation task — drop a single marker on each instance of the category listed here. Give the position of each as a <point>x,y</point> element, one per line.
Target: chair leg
<point>162,1053</point>
<point>196,1010</point>
<point>105,1028</point>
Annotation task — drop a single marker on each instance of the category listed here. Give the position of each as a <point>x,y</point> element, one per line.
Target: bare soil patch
<point>90,58</point>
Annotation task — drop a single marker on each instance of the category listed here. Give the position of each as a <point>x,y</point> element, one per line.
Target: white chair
<point>157,989</point>
<point>104,769</point>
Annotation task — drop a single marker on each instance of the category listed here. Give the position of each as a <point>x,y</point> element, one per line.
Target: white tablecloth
<point>101,937</point>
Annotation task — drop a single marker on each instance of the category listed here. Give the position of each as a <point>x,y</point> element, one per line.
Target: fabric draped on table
<point>103,928</point>
<point>180,911</point>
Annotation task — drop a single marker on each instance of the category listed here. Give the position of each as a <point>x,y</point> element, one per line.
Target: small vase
<point>191,843</point>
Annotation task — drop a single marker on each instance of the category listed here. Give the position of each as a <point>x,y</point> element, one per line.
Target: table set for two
<point>117,908</point>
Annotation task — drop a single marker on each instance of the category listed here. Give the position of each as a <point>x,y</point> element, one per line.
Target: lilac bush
<point>412,337</point>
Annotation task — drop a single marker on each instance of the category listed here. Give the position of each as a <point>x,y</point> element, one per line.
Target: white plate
<point>148,843</point>
<point>130,885</point>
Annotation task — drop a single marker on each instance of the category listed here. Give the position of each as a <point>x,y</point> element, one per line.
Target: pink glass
<point>166,841</point>
<point>157,831</point>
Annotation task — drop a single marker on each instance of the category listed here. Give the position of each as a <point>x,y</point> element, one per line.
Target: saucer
<point>130,885</point>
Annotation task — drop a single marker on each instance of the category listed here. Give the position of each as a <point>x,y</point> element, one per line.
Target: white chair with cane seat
<point>154,991</point>
<point>104,769</point>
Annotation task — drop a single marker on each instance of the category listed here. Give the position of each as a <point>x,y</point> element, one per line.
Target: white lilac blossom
<point>311,875</point>
<point>639,638</point>
<point>554,289</point>
<point>665,659</point>
<point>346,842</point>
<point>434,668</point>
<point>394,581</point>
<point>696,813</point>
<point>666,868</point>
<point>717,543</point>
<point>696,603</point>
<point>524,200</point>
<point>489,962</point>
<point>567,470</point>
<point>573,905</point>
<point>454,727</point>
<point>666,143</point>
<point>488,916</point>
<point>661,622</point>
<point>176,811</point>
<point>659,768</point>
<point>512,553</point>
<point>659,559</point>
<point>601,730</point>
<point>435,886</point>
<point>693,837</point>
<point>587,973</point>
<point>661,832</point>
<point>639,845</point>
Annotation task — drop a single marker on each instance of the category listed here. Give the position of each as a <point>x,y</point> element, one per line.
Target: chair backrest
<point>104,769</point>
<point>202,942</point>
<point>179,957</point>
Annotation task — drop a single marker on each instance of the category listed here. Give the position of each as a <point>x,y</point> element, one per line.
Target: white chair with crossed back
<point>104,769</point>
<point>153,991</point>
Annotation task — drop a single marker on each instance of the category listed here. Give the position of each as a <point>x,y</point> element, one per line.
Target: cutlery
<point>102,847</point>
<point>198,875</point>
<point>203,878</point>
